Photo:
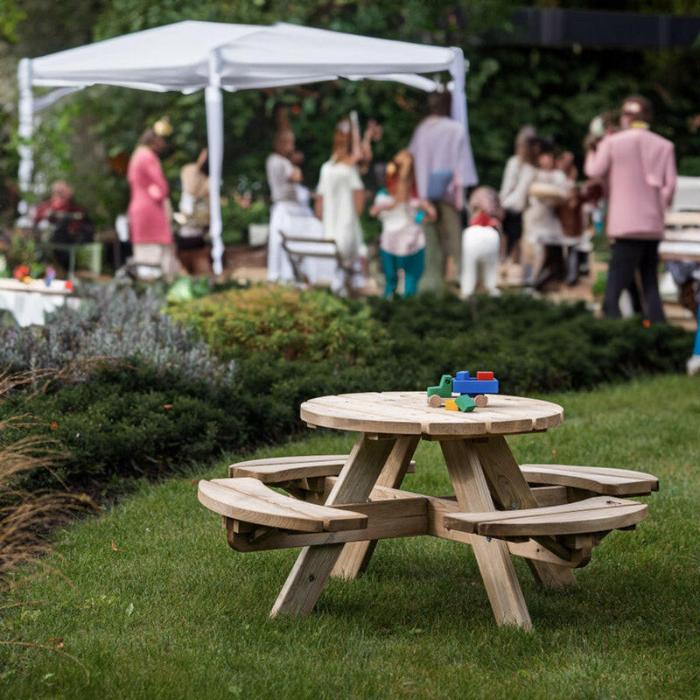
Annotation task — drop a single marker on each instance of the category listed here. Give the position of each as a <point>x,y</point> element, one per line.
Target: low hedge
<point>131,420</point>
<point>227,378</point>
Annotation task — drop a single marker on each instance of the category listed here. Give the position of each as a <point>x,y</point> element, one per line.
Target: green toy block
<point>465,403</point>
<point>444,389</point>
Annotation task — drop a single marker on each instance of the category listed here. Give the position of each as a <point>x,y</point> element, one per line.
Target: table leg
<point>308,577</point>
<point>510,491</point>
<point>492,556</point>
<point>356,555</point>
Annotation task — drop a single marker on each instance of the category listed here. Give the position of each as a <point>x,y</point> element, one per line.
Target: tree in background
<point>88,137</point>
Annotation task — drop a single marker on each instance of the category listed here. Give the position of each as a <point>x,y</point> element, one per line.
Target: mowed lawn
<point>149,601</point>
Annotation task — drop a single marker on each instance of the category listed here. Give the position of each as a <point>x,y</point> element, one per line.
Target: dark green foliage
<point>531,345</point>
<point>151,413</point>
<point>129,419</point>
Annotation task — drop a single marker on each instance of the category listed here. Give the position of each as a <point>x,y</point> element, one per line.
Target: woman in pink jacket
<point>149,215</point>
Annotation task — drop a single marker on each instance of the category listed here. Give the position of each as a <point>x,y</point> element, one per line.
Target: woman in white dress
<point>340,196</point>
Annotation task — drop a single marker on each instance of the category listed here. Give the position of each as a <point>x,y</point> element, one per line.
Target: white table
<point>30,302</point>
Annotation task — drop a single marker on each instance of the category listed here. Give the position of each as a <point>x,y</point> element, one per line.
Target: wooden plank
<point>510,491</point>
<point>598,520</point>
<point>312,568</point>
<point>440,508</point>
<point>276,473</point>
<point>405,517</point>
<point>250,501</point>
<point>292,460</point>
<point>271,471</point>
<point>612,482</point>
<point>493,558</point>
<point>682,218</point>
<point>591,515</point>
<point>549,495</point>
<point>355,557</point>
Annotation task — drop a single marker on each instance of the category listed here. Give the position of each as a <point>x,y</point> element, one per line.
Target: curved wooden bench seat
<point>592,515</point>
<point>277,470</point>
<point>601,480</point>
<point>248,500</point>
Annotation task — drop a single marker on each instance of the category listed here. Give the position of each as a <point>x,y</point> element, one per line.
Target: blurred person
<point>402,242</point>
<point>149,206</point>
<point>544,242</point>
<point>481,243</point>
<point>291,213</point>
<point>639,167</point>
<point>442,162</point>
<point>686,275</point>
<point>68,222</point>
<point>193,216</point>
<point>517,176</point>
<point>340,195</point>
<point>282,174</point>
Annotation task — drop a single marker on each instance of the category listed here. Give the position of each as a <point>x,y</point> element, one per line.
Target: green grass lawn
<point>150,602</point>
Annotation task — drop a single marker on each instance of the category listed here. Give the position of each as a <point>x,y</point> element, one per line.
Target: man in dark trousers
<point>640,169</point>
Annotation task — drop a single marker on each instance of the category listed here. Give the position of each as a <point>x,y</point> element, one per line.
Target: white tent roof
<point>177,57</point>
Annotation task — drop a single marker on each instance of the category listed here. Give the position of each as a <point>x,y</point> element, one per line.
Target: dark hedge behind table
<point>228,372</point>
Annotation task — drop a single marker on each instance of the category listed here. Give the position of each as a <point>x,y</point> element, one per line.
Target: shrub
<point>167,400</point>
<point>130,419</point>
<point>112,321</point>
<point>285,322</point>
<point>533,345</point>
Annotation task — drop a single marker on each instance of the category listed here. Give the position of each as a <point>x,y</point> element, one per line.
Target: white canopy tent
<point>190,56</point>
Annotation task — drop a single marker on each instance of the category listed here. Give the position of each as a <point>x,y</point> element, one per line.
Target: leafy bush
<point>164,398</point>
<point>130,419</point>
<point>532,345</point>
<point>112,322</point>
<point>136,393</point>
<point>284,322</point>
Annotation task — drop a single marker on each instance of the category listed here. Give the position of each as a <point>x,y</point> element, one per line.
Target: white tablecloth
<point>29,303</point>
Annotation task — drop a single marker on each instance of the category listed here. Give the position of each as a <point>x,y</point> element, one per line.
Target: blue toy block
<point>464,383</point>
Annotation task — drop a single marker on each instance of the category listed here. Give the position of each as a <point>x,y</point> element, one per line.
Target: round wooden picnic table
<point>482,469</point>
<point>408,413</point>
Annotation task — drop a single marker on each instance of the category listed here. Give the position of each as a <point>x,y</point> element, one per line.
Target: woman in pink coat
<point>149,216</point>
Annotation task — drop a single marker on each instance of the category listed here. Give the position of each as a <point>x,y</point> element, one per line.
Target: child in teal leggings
<point>402,244</point>
<point>412,266</point>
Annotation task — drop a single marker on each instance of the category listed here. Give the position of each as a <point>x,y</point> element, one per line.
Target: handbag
<point>439,182</point>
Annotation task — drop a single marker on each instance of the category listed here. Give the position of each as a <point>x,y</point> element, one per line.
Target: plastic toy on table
<point>463,392</point>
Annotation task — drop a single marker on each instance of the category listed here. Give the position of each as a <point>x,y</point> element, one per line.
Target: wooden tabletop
<point>408,413</point>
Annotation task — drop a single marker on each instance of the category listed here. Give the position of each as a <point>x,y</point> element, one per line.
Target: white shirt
<point>279,169</point>
<point>336,184</point>
<point>517,178</point>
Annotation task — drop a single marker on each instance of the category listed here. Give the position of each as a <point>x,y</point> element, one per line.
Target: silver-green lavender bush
<point>112,322</point>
